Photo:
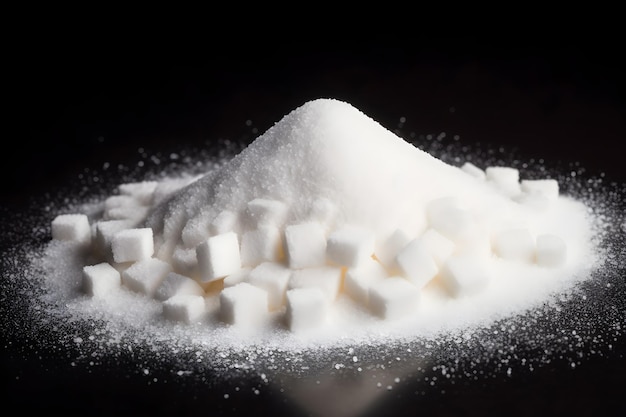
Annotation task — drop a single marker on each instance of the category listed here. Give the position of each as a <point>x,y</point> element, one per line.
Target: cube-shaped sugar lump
<point>218,256</point>
<point>436,244</point>
<point>393,298</point>
<point>244,305</point>
<point>184,261</point>
<point>71,227</point>
<point>185,308</point>
<point>177,284</point>
<point>225,221</point>
<point>141,191</point>
<point>447,216</point>
<point>323,211</point>
<point>305,244</point>
<point>387,250</point>
<point>326,278</point>
<point>465,275</point>
<point>504,179</point>
<point>146,276</point>
<point>237,277</point>
<point>358,280</point>
<point>132,245</point>
<point>551,250</point>
<point>548,188</point>
<point>515,245</point>
<point>262,211</point>
<point>417,263</point>
<point>134,213</point>
<point>106,229</point>
<point>196,230</point>
<point>307,309</point>
<point>473,170</point>
<point>261,244</point>
<point>350,246</point>
<point>100,279</point>
<point>273,278</point>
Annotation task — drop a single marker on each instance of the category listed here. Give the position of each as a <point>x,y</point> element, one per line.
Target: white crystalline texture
<point>474,171</point>
<point>273,278</point>
<point>350,246</point>
<point>185,308</point>
<point>105,231</point>
<point>264,212</point>
<point>551,250</point>
<point>261,244</point>
<point>100,280</point>
<point>307,309</point>
<point>465,275</point>
<point>244,305</point>
<point>146,276</point>
<point>393,298</point>
<point>325,278</point>
<point>387,250</point>
<point>515,245</point>
<point>177,284</point>
<point>132,245</point>
<point>71,227</point>
<point>417,263</point>
<point>305,244</point>
<point>218,256</point>
<point>504,179</point>
<point>237,277</point>
<point>358,280</point>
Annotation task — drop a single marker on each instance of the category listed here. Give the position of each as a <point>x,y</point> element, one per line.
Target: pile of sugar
<point>327,230</point>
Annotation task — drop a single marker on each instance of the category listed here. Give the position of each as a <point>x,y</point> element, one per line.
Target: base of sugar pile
<point>330,236</point>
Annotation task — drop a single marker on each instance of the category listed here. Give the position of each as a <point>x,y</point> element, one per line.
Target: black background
<point>78,96</point>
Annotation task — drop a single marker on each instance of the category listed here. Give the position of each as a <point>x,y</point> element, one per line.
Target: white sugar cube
<point>244,305</point>
<point>323,211</point>
<point>504,179</point>
<point>387,250</point>
<point>465,275</point>
<point>184,261</point>
<point>134,213</point>
<point>261,211</point>
<point>515,245</point>
<point>350,246</point>
<point>437,245</point>
<point>273,278</point>
<point>326,278</point>
<point>106,229</point>
<point>548,188</point>
<point>393,298</point>
<point>218,256</point>
<point>237,277</point>
<point>305,244</point>
<point>307,309</point>
<point>196,230</point>
<point>473,170</point>
<point>261,244</point>
<point>417,263</point>
<point>359,280</point>
<point>225,221</point>
<point>146,276</point>
<point>100,279</point>
<point>177,284</point>
<point>448,217</point>
<point>185,308</point>
<point>551,250</point>
<point>71,227</point>
<point>132,245</point>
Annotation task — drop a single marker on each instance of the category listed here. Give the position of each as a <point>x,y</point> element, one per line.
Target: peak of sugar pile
<point>327,224</point>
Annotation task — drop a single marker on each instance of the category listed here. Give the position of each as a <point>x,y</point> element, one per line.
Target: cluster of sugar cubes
<point>256,263</point>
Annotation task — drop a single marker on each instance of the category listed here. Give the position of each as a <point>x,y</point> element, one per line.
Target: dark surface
<point>79,106</point>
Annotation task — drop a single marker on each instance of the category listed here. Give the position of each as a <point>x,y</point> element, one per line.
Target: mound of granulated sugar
<point>327,228</point>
